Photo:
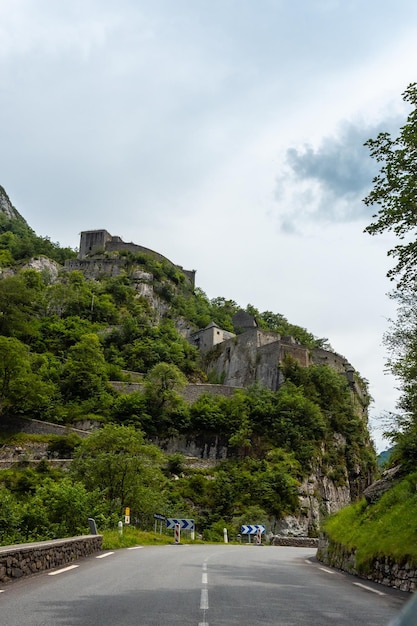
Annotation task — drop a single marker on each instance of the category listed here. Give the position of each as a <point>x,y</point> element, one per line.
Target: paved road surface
<point>201,585</point>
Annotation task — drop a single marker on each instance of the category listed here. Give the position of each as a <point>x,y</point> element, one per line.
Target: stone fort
<point>96,243</point>
<point>237,359</point>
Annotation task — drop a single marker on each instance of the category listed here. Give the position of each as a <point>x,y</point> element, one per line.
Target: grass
<point>112,540</point>
<point>386,528</point>
<point>18,438</point>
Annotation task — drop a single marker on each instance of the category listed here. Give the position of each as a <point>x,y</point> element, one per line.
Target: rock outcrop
<point>7,208</point>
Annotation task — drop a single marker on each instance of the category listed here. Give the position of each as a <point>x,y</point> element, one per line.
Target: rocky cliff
<point>7,208</point>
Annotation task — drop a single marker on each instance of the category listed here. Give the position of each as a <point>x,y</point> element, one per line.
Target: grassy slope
<point>387,528</point>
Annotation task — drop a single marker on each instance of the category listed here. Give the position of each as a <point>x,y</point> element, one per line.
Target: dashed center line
<point>204,605</point>
<point>328,571</point>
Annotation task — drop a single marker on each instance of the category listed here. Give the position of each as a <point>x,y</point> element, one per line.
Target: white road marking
<point>204,600</point>
<point>204,603</point>
<point>328,571</point>
<point>64,569</point>
<point>2,590</point>
<point>379,593</point>
<point>135,548</point>
<point>103,556</point>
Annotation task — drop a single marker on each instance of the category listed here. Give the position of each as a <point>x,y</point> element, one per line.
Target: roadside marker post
<point>177,533</point>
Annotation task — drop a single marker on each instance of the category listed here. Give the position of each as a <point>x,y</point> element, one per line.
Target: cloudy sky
<point>227,135</point>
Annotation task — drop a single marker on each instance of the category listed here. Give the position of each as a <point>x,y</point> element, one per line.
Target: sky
<point>226,135</point>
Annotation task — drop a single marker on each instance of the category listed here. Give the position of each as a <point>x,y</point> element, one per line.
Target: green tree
<point>21,389</point>
<point>395,191</point>
<point>10,517</point>
<point>162,386</point>
<point>84,373</point>
<point>58,509</point>
<point>116,460</point>
<point>19,308</point>
<point>395,194</point>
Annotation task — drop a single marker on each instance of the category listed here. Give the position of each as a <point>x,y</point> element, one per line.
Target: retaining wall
<point>190,393</point>
<point>296,542</point>
<point>384,570</point>
<point>38,427</point>
<point>30,558</point>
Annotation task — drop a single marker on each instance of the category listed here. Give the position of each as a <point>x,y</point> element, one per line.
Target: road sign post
<point>160,518</point>
<point>184,524</point>
<point>253,529</point>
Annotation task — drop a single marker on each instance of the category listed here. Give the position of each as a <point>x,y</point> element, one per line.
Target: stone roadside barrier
<point>383,570</point>
<point>295,542</point>
<point>30,558</point>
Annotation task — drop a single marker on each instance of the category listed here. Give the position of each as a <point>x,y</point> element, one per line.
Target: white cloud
<point>169,123</point>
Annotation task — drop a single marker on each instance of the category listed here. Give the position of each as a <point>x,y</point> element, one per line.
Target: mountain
<point>270,422</point>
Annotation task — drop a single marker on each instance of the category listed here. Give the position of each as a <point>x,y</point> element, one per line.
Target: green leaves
<point>84,373</point>
<point>16,375</point>
<point>127,471</point>
<point>395,192</point>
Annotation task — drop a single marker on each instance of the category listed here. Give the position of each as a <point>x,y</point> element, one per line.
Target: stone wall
<point>256,356</point>
<point>31,558</point>
<point>384,570</point>
<point>190,393</point>
<point>296,542</point>
<point>37,427</point>
<point>205,446</point>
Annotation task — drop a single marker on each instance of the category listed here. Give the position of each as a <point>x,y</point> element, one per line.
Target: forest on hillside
<point>64,339</point>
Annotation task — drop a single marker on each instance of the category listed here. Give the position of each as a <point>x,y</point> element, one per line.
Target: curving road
<point>201,585</point>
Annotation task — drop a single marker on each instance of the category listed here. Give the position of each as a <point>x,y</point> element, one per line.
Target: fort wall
<point>94,242</point>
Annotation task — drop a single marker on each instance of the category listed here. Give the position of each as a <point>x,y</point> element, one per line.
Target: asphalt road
<point>200,585</point>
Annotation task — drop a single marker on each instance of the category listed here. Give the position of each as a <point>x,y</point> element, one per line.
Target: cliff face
<point>6,207</point>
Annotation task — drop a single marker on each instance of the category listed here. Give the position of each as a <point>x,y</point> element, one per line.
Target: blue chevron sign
<point>185,524</point>
<point>252,529</point>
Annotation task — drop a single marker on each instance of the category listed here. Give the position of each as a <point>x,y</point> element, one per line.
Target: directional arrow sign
<point>185,524</point>
<point>252,529</point>
<point>159,516</point>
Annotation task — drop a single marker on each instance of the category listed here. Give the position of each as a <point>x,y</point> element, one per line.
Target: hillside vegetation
<point>64,338</point>
<point>383,529</point>
<point>387,527</point>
